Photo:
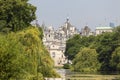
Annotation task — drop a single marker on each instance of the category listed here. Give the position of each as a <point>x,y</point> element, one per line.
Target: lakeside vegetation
<point>99,53</point>
<point>22,53</point>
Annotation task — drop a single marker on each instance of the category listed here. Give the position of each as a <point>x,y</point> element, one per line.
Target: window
<point>49,35</point>
<point>53,54</point>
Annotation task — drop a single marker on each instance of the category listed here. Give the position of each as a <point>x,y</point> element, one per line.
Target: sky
<point>92,13</point>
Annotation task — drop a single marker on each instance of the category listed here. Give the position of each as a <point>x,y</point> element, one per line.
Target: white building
<point>55,41</point>
<point>100,30</point>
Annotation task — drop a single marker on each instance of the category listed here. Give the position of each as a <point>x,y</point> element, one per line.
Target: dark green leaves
<point>107,48</point>
<point>17,14</point>
<point>86,61</point>
<point>23,56</point>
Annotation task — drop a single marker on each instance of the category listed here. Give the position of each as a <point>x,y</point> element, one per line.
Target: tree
<point>76,43</point>
<point>105,47</point>
<point>16,14</point>
<point>115,61</point>
<point>12,59</point>
<point>117,35</point>
<point>86,61</point>
<point>72,46</point>
<point>23,56</point>
<point>31,40</point>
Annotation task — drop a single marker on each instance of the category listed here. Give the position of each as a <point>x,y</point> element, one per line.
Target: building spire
<point>67,20</point>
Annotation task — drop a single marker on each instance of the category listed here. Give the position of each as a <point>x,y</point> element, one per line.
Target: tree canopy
<point>106,45</point>
<point>23,56</point>
<point>16,14</point>
<point>76,43</point>
<point>115,60</point>
<point>86,61</point>
<point>22,53</point>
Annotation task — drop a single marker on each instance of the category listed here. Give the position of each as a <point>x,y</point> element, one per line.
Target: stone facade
<point>55,41</point>
<point>86,31</point>
<point>100,30</point>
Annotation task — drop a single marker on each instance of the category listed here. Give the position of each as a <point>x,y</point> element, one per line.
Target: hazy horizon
<point>80,12</point>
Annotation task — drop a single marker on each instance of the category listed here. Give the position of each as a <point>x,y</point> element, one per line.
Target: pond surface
<point>68,75</point>
<point>92,77</point>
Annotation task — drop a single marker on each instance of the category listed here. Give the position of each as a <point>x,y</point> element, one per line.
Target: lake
<point>68,75</point>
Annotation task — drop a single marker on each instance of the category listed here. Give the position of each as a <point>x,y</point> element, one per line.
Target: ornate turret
<point>67,20</point>
<point>68,29</point>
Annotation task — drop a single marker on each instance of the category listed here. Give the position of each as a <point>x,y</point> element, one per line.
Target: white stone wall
<point>58,57</point>
<point>100,31</point>
<point>55,42</point>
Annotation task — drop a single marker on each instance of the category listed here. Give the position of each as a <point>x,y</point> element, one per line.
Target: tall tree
<point>115,61</point>
<point>76,43</point>
<point>86,61</point>
<point>23,56</point>
<point>16,14</point>
<point>105,48</point>
<point>72,46</point>
<point>12,59</point>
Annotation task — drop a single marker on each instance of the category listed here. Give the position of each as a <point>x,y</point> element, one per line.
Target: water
<point>92,77</point>
<point>68,75</point>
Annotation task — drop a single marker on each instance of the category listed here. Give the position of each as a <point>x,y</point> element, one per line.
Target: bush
<point>86,61</point>
<point>23,56</point>
<point>67,66</point>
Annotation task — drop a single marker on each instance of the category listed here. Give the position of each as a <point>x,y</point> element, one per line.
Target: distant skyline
<point>80,12</point>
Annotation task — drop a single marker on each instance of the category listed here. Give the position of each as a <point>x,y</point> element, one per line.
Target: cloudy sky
<point>80,12</point>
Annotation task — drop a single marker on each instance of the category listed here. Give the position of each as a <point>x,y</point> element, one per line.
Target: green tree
<point>72,46</point>
<point>16,14</point>
<point>76,43</point>
<point>86,61</point>
<point>33,45</point>
<point>23,56</point>
<point>115,61</point>
<point>105,47</point>
<point>117,36</point>
<point>12,59</point>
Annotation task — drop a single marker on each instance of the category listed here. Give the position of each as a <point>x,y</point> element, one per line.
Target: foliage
<point>15,14</point>
<point>76,43</point>
<point>117,36</point>
<point>86,61</point>
<point>23,56</point>
<point>105,48</point>
<point>67,66</point>
<point>115,61</point>
<point>72,46</point>
<point>105,44</point>
<point>12,59</point>
<point>31,39</point>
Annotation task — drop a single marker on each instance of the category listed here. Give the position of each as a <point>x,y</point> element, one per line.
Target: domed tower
<point>69,29</point>
<point>85,31</point>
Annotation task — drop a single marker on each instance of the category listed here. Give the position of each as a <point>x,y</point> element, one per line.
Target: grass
<point>92,77</point>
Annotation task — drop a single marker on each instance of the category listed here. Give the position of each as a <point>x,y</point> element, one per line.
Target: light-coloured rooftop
<point>104,27</point>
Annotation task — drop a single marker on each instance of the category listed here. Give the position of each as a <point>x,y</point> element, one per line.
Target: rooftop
<point>104,27</point>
